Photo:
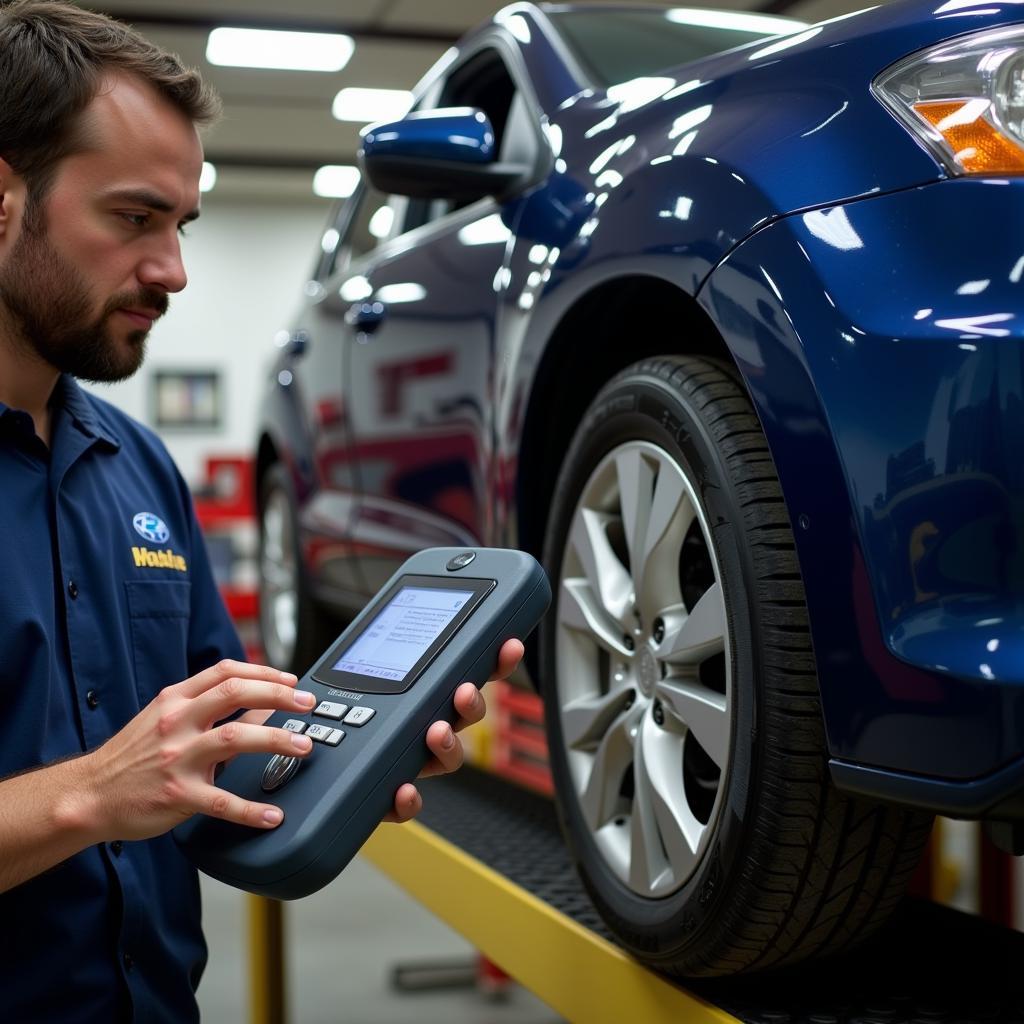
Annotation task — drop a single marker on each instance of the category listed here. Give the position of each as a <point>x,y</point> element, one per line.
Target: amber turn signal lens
<point>978,146</point>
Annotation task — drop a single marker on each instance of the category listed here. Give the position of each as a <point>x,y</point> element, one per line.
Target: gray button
<point>460,561</point>
<point>329,710</point>
<point>295,725</point>
<point>278,771</point>
<point>320,733</point>
<point>359,716</point>
<point>337,735</point>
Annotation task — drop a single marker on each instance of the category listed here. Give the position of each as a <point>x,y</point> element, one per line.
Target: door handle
<point>365,317</point>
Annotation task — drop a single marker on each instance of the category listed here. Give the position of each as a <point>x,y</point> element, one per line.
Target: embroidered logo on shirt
<point>150,559</point>
<point>151,528</point>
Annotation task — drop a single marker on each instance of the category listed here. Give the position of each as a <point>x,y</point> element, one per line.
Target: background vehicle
<point>733,346</point>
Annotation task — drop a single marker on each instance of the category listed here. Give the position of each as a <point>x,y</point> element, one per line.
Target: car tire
<point>683,715</point>
<point>294,629</point>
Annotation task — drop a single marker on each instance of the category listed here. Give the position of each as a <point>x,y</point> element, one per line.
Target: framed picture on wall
<point>187,399</point>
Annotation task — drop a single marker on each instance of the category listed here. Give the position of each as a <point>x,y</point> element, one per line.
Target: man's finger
<point>408,803</point>
<point>446,748</point>
<point>228,669</point>
<point>219,803</point>
<point>470,705</point>
<point>234,693</point>
<point>509,656</point>
<point>233,738</point>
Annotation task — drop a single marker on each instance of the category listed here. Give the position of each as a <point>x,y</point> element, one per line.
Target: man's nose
<point>164,268</point>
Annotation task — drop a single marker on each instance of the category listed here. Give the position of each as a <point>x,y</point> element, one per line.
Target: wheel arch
<point>636,306</point>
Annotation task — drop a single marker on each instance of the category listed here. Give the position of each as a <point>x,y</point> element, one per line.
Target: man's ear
<point>12,198</point>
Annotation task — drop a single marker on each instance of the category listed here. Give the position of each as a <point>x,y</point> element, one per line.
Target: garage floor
<point>343,944</point>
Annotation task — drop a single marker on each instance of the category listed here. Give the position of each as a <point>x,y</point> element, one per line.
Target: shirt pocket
<point>158,613</point>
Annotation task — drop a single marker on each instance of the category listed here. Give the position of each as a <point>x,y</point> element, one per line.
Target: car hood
<point>793,119</point>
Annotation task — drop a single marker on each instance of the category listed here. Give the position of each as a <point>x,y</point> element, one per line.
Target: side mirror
<point>437,154</point>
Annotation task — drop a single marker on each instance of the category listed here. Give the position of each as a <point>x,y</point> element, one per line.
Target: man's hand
<point>158,770</point>
<point>442,740</point>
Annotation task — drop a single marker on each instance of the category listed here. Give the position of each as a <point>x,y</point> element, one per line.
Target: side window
<point>373,221</point>
<point>357,226</point>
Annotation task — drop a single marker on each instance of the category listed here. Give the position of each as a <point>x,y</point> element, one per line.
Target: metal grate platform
<point>929,965</point>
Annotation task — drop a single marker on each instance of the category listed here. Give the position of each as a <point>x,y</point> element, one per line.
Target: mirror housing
<point>437,154</point>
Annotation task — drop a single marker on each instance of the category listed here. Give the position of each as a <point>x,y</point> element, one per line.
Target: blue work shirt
<point>106,597</point>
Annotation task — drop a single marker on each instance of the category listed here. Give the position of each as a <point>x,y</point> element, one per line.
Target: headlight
<point>965,99</point>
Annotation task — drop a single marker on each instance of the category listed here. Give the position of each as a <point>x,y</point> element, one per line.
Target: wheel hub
<point>647,671</point>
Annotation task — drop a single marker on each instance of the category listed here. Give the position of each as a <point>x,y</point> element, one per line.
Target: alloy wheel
<point>643,668</point>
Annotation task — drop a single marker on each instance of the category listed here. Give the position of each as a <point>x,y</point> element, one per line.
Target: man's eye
<point>138,220</point>
<point>181,231</point>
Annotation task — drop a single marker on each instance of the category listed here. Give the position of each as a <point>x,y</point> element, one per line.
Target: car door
<point>421,342</point>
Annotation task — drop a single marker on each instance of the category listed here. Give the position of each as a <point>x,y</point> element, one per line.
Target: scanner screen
<point>401,633</point>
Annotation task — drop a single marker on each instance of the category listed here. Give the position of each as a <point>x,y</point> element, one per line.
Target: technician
<point>117,658</point>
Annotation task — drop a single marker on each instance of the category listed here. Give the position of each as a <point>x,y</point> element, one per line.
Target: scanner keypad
<point>323,734</point>
<point>359,716</point>
<point>328,709</point>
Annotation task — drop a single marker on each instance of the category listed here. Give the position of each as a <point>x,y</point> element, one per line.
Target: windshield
<point>616,45</point>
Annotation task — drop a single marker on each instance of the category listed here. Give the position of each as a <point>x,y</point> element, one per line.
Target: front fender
<point>889,382</point>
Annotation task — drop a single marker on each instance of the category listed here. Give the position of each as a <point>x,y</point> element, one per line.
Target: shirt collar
<point>69,395</point>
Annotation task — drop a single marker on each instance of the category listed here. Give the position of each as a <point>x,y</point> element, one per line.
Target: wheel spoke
<point>703,711</point>
<point>586,719</point>
<point>636,490</point>
<point>691,639</point>
<point>580,610</point>
<point>646,860</point>
<point>679,830</point>
<point>606,575</point>
<point>600,798</point>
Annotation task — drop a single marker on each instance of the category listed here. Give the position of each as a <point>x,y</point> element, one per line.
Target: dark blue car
<point>719,315</point>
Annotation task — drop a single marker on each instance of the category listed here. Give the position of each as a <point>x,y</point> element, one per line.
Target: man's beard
<point>47,302</point>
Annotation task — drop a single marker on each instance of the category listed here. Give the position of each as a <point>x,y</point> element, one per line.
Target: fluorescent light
<point>208,177</point>
<point>405,291</point>
<point>367,105</point>
<point>330,240</point>
<point>355,289</point>
<point>737,20</point>
<point>335,181</point>
<point>282,51</point>
<point>381,222</point>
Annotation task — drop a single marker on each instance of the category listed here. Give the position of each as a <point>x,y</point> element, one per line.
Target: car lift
<point>487,857</point>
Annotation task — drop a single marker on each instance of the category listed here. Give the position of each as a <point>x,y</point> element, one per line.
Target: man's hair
<point>53,59</point>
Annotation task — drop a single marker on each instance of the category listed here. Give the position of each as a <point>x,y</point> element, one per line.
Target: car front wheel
<point>684,724</point>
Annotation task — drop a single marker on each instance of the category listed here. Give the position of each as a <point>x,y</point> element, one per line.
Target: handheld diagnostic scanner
<point>438,622</point>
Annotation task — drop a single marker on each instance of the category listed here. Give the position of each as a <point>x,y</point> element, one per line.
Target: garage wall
<point>247,263</point>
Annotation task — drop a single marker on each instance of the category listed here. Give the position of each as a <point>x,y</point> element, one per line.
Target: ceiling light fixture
<point>280,51</point>
<point>335,181</point>
<point>366,105</point>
